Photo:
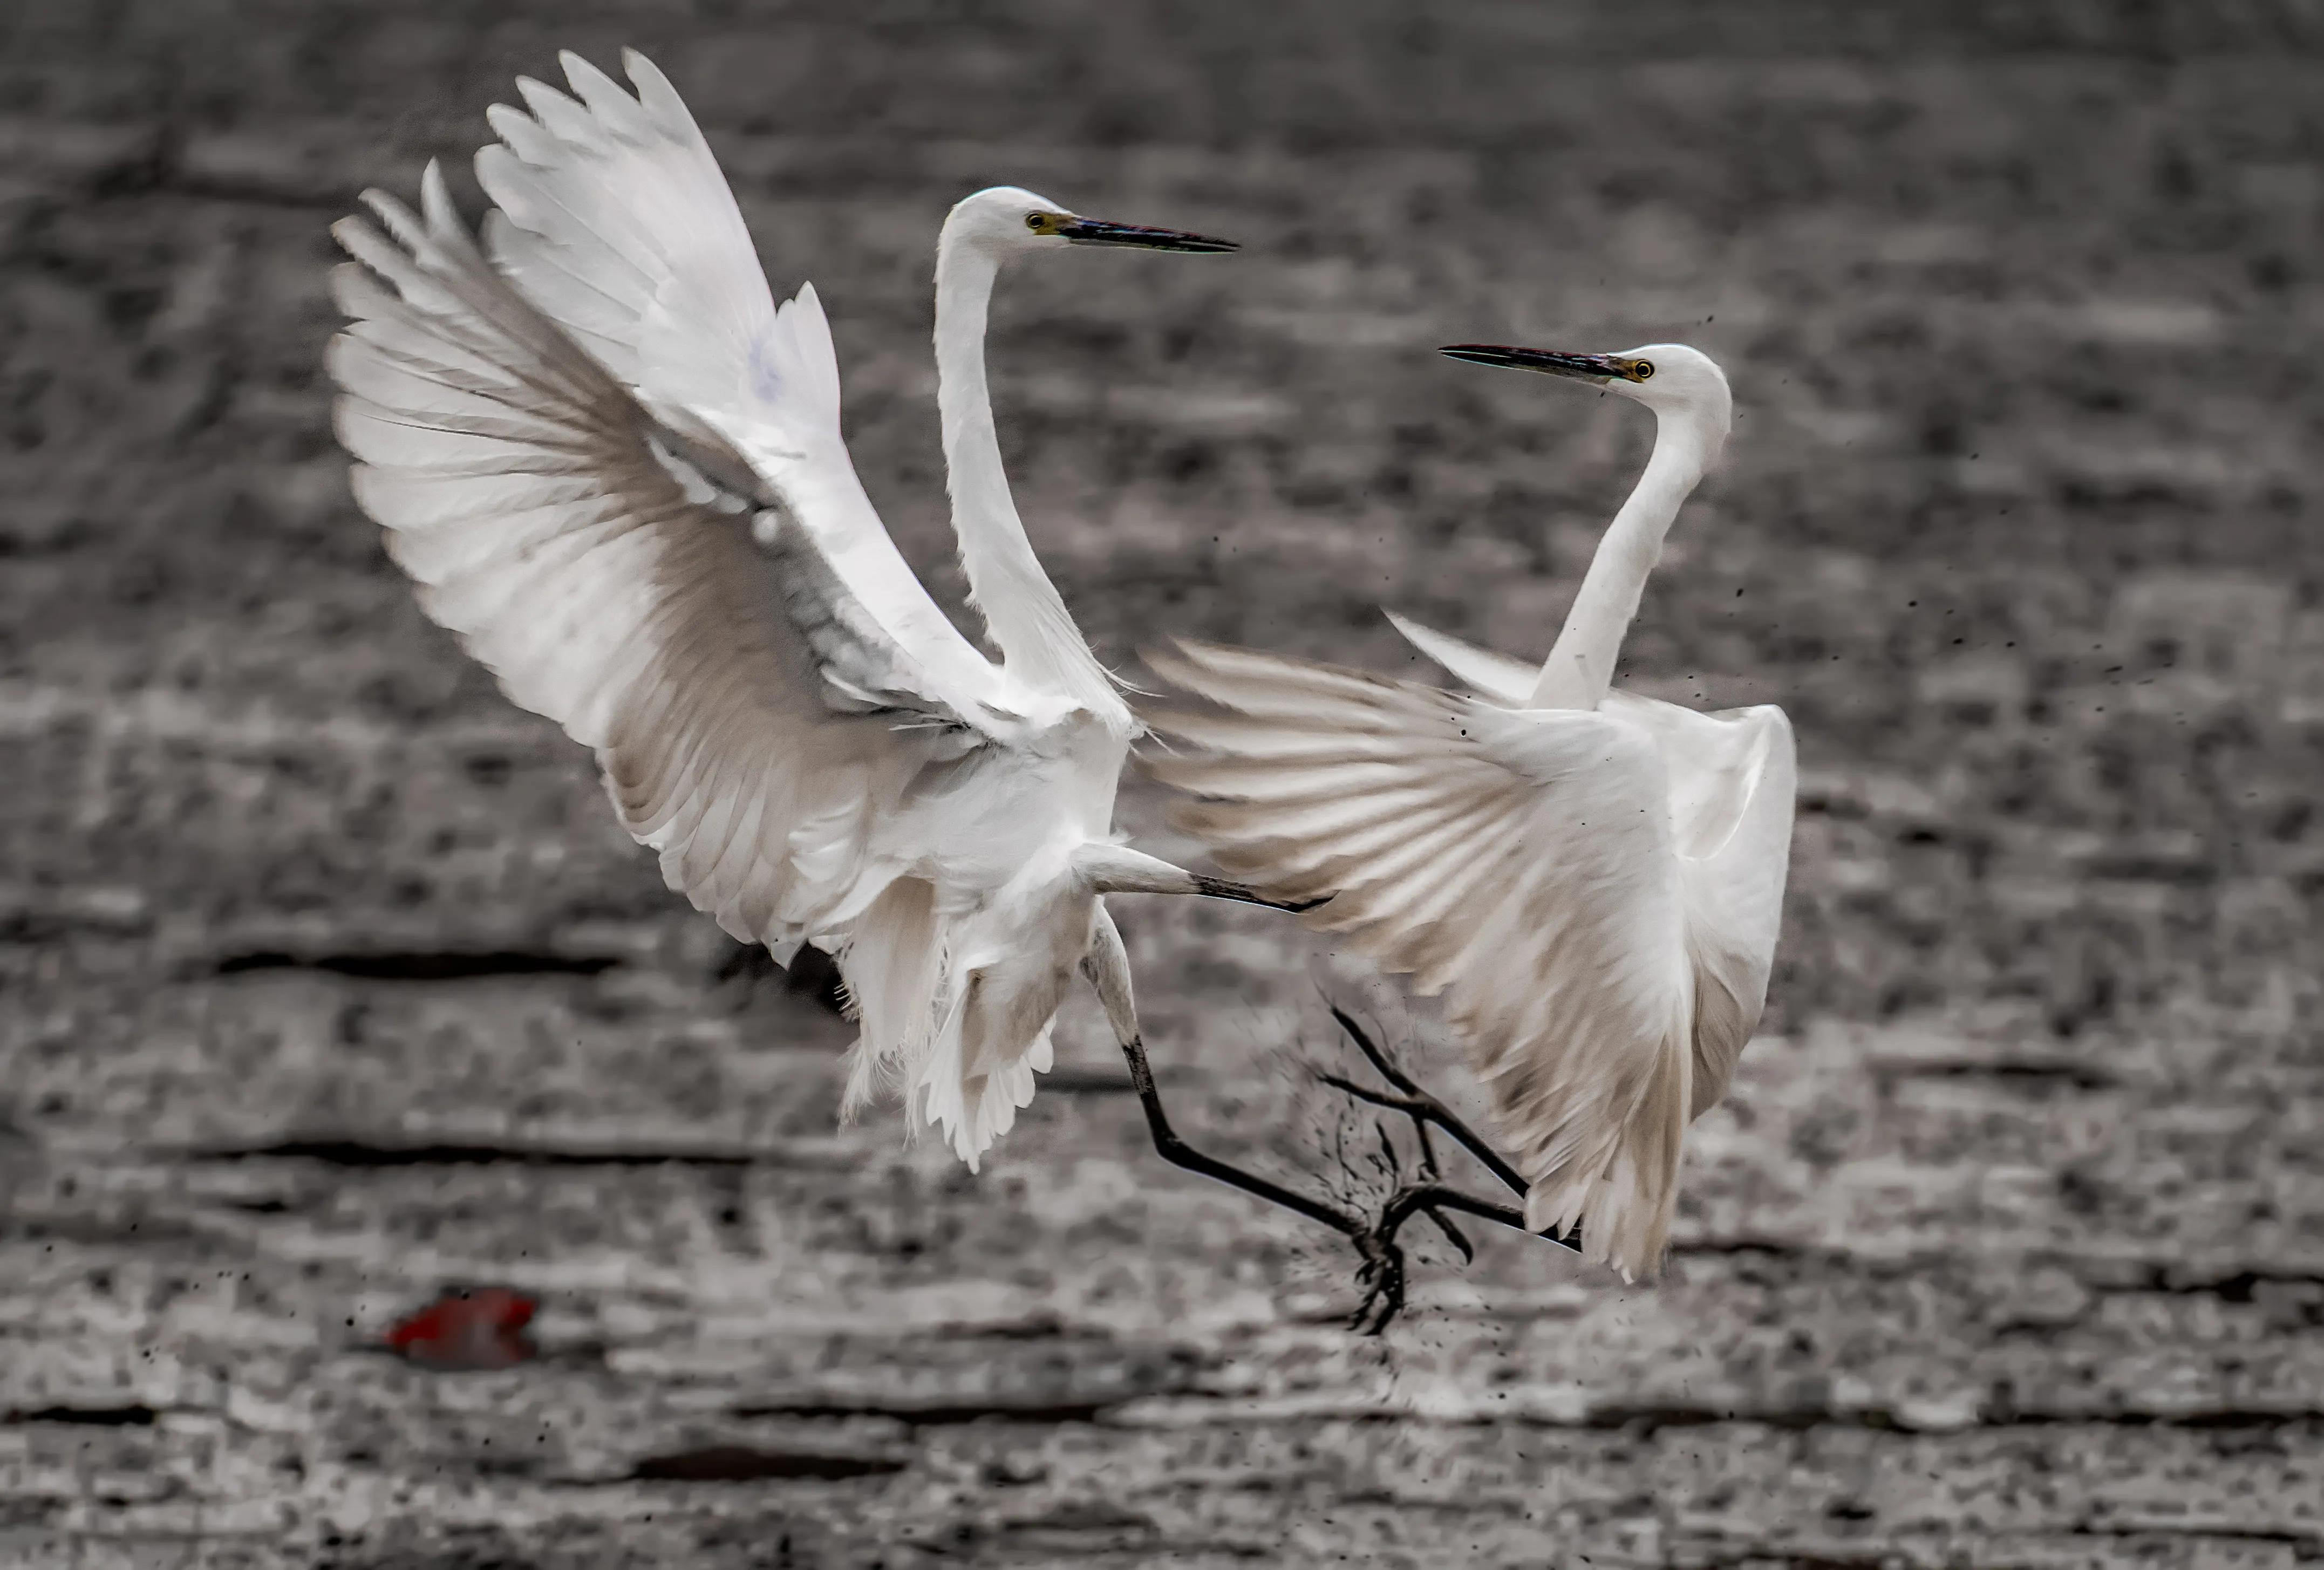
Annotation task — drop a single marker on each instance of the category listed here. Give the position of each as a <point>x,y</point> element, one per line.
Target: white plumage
<point>1594,879</point>
<point>615,467</point>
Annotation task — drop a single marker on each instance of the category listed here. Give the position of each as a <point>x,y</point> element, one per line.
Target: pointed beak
<point>1599,369</point>
<point>1083,231</point>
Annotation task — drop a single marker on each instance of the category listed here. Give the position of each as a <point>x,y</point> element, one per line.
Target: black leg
<point>1179,1153</point>
<point>1382,1272</point>
<point>1227,889</point>
<point>1421,1106</point>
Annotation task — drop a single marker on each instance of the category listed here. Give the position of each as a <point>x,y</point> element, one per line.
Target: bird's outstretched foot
<point>1423,1106</point>
<point>1381,1269</point>
<point>1382,1276</point>
<point>1426,1109</point>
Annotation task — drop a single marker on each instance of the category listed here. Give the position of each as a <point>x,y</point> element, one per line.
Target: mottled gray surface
<point>2008,1249</point>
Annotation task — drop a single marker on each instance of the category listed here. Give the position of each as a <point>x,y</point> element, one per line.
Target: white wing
<point>1733,784</point>
<point>1527,864</point>
<point>1497,675</point>
<point>755,722</point>
<point>615,219</point>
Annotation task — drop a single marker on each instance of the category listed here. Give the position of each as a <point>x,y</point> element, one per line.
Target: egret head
<point>1671,379</point>
<point>1007,219</point>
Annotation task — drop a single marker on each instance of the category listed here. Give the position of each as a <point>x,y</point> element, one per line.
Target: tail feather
<point>974,1110</point>
<point>947,1036</point>
<point>1624,1184</point>
<point>892,966</point>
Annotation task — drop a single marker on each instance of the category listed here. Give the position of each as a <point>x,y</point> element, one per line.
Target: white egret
<point>1593,878</point>
<point>575,467</point>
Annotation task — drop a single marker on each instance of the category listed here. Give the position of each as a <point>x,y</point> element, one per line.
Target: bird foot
<point>1376,1236</point>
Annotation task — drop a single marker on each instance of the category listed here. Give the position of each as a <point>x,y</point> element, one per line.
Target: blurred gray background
<point>327,982</point>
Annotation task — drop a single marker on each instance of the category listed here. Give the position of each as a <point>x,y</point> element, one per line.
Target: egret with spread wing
<point>1594,879</point>
<point>613,466</point>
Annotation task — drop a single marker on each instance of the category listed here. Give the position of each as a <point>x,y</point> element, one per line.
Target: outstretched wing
<point>755,722</point>
<point>615,219</point>
<point>1734,779</point>
<point>1519,861</point>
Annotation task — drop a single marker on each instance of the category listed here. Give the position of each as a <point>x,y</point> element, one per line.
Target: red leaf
<point>467,1330</point>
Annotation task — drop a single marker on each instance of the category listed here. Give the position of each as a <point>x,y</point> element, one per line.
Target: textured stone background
<point>325,980</point>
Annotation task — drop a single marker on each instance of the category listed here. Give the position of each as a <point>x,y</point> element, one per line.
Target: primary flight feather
<point>613,463</point>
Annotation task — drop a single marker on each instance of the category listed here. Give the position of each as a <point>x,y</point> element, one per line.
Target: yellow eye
<point>1641,369</point>
<point>1033,221</point>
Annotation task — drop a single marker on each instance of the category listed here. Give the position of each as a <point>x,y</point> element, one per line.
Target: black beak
<point>1098,232</point>
<point>1588,367</point>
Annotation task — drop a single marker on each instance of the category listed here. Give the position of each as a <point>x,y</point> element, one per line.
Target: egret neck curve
<point>1581,666</point>
<point>1040,645</point>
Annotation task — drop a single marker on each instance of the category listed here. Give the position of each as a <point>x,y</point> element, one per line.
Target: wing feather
<point>1734,782</point>
<point>1527,864</point>
<point>1496,676</point>
<point>717,679</point>
<point>615,221</point>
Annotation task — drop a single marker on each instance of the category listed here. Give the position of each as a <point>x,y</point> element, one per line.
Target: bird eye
<point>1641,369</point>
<point>1033,222</point>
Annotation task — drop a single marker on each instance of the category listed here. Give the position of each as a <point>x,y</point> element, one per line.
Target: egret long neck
<point>1036,635</point>
<point>1581,667</point>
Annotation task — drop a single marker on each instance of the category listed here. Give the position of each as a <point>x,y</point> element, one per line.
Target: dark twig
<point>1382,1268</point>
